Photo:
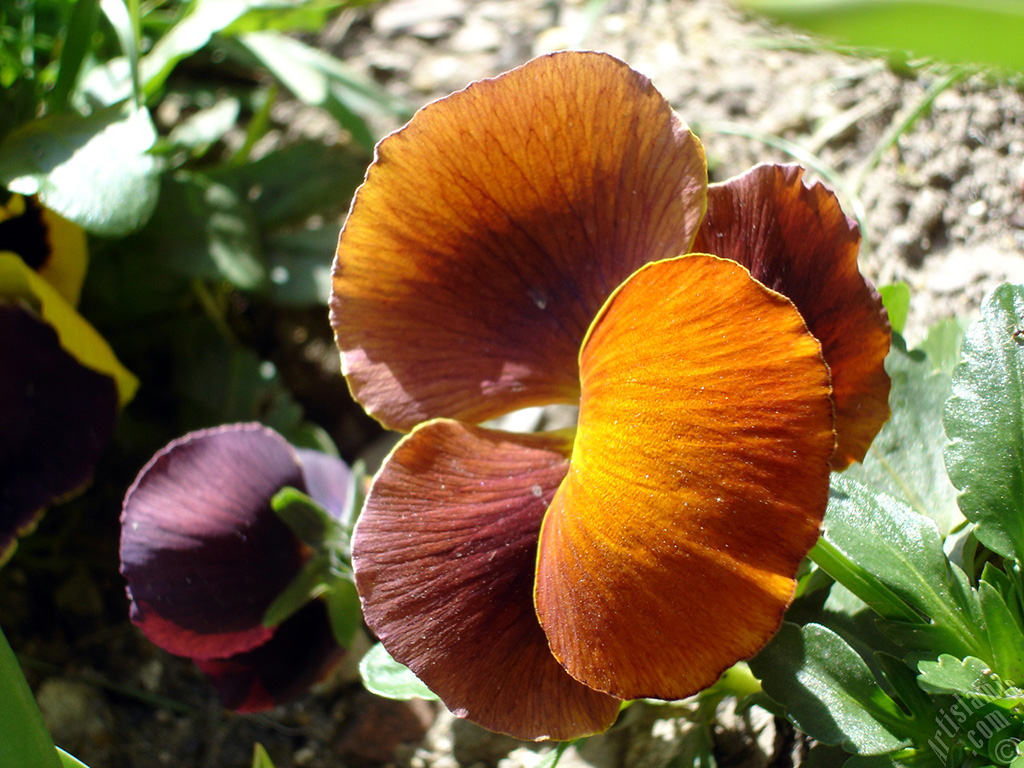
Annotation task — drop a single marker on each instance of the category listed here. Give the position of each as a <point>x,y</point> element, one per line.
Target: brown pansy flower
<point>549,236</point>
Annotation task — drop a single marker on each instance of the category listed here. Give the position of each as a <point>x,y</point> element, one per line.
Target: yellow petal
<point>698,480</point>
<point>50,244</point>
<point>81,340</point>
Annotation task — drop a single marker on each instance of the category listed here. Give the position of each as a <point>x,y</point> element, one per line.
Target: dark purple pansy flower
<point>61,386</point>
<point>205,555</point>
<point>57,418</point>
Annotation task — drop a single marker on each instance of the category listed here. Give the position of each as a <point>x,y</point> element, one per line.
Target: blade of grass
<point>24,739</point>
<point>903,125</point>
<point>76,46</point>
<point>120,18</point>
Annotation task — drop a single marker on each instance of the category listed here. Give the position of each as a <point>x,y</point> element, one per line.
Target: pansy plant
<point>549,236</point>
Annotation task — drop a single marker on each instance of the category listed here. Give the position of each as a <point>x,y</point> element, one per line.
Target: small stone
<point>151,674</point>
<point>427,19</point>
<point>434,73</point>
<point>477,36</point>
<point>304,755</point>
<point>377,728</point>
<point>74,713</point>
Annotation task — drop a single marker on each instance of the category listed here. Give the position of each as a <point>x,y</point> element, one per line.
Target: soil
<point>942,208</point>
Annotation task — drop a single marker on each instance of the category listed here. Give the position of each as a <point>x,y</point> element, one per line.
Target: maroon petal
<point>202,550</point>
<point>57,417</point>
<point>796,239</point>
<point>301,652</point>
<point>444,555</point>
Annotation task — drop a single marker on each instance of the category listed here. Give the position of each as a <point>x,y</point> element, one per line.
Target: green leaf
<point>942,344</point>
<point>94,171</point>
<point>311,581</point>
<point>297,181</point>
<point>69,761</point>
<point>921,708</point>
<point>200,130</point>
<point>979,31</point>
<point>553,757</point>
<point>24,739</point>
<point>906,458</point>
<point>344,610</point>
<point>191,33</point>
<point>288,16</point>
<point>828,691</point>
<point>851,618</point>
<point>870,761</point>
<point>299,266</point>
<point>260,758</point>
<point>951,675</point>
<point>356,494</point>
<point>1008,585</point>
<point>887,543</point>
<point>861,582</point>
<point>320,80</point>
<point>1004,633</point>
<point>896,298</point>
<point>386,677</point>
<point>77,44</point>
<point>696,746</point>
<point>124,23</point>
<point>306,519</point>
<point>824,756</point>
<point>985,422</point>
<point>220,383</point>
<point>205,230</point>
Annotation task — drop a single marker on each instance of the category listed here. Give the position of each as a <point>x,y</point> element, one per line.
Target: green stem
<point>213,310</point>
<point>861,582</point>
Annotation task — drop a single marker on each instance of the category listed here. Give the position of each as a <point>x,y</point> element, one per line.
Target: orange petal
<point>444,556</point>
<point>491,229</point>
<point>698,480</point>
<point>796,240</point>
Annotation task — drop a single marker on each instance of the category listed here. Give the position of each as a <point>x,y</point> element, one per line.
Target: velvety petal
<point>47,242</point>
<point>57,418</point>
<point>202,550</point>
<point>20,283</point>
<point>301,652</point>
<point>698,480</point>
<point>796,240</point>
<point>444,555</point>
<point>490,230</point>
<point>327,480</point>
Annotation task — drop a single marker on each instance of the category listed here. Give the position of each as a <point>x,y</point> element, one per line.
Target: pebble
<point>74,713</point>
<point>426,19</point>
